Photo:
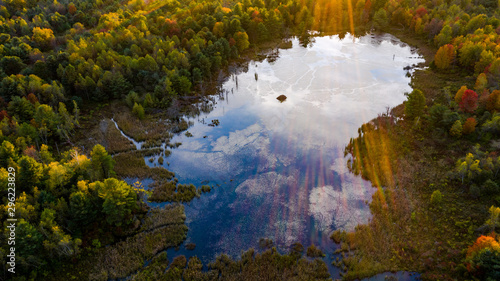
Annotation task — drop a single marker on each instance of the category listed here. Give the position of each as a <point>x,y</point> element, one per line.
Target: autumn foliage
<point>469,101</point>
<point>3,114</point>
<point>444,56</point>
<point>493,101</point>
<point>460,93</point>
<point>481,243</point>
<point>469,126</point>
<point>71,8</point>
<point>483,258</point>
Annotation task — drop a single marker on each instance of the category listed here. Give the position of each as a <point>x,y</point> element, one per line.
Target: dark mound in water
<point>281,98</point>
<point>190,246</point>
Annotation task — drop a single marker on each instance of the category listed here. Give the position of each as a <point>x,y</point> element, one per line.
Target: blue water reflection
<point>278,169</point>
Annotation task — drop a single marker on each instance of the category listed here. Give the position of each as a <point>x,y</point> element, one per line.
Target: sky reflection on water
<point>280,166</point>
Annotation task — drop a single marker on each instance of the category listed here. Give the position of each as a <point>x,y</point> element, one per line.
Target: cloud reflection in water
<point>280,165</point>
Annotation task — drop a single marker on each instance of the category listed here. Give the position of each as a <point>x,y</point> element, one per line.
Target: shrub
<point>474,191</point>
<point>131,99</point>
<point>436,197</point>
<point>336,236</point>
<point>456,129</point>
<point>449,118</point>
<point>206,188</point>
<point>436,113</point>
<point>493,125</point>
<point>138,111</point>
<point>490,187</point>
<point>148,101</point>
<point>314,252</point>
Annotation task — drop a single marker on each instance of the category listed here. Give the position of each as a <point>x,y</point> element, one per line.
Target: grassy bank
<point>407,163</point>
<point>269,265</point>
<point>160,229</point>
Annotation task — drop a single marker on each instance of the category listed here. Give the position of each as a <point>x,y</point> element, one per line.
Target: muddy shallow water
<point>278,168</point>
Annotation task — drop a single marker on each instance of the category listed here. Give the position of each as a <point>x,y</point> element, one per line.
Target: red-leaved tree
<point>3,114</point>
<point>469,101</point>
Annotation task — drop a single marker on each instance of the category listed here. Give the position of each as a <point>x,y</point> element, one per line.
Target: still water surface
<point>278,169</point>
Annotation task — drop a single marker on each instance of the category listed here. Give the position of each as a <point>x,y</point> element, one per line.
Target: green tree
<point>415,105</point>
<point>66,123</point>
<point>46,155</point>
<point>492,222</point>
<point>28,242</point>
<point>262,32</point>
<point>456,129</point>
<point>8,153</point>
<point>138,111</point>
<point>21,108</point>
<point>112,85</point>
<point>56,240</point>
<point>380,19</point>
<point>84,204</point>
<point>30,173</point>
<point>119,200</point>
<point>12,65</point>
<point>181,84</point>
<point>444,37</point>
<point>132,98</point>
<point>468,167</point>
<point>46,120</point>
<point>485,59</point>
<point>241,39</point>
<point>469,54</point>
<point>102,164</point>
<point>58,175</point>
<point>43,37</point>
<point>148,101</point>
<point>148,63</point>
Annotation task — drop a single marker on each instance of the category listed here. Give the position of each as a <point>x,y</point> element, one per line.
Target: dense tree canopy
<point>56,56</point>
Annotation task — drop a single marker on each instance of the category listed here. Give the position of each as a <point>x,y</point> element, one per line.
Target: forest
<point>62,62</point>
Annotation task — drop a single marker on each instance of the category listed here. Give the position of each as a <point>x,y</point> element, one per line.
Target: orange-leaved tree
<point>460,93</point>
<point>469,101</point>
<point>483,258</point>
<point>469,126</point>
<point>444,56</point>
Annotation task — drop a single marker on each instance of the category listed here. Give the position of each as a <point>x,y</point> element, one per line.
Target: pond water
<point>278,168</point>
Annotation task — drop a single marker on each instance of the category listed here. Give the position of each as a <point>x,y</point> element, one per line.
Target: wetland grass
<point>132,164</point>
<point>126,257</point>
<point>268,265</point>
<point>171,191</point>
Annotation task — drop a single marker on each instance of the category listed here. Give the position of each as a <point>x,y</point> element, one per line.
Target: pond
<point>278,168</point>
